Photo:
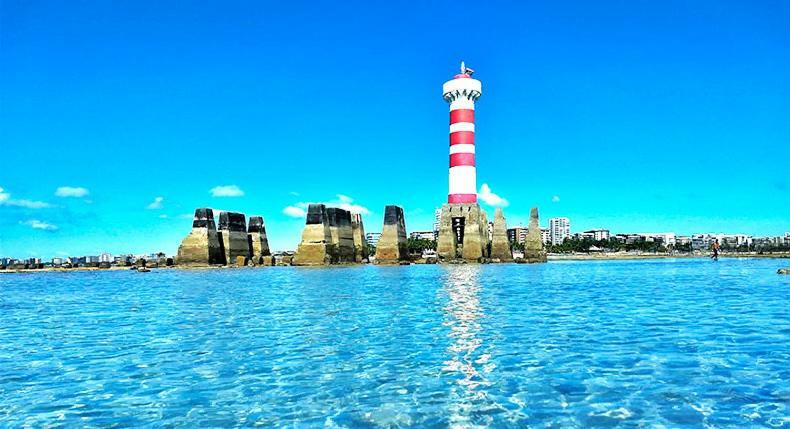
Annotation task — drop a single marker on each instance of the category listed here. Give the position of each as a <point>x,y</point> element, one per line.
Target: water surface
<point>674,343</point>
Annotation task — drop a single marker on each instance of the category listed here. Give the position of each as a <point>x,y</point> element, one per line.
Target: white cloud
<point>342,201</point>
<point>294,211</point>
<point>28,204</point>
<point>69,191</point>
<point>491,198</point>
<point>162,216</point>
<point>555,199</point>
<point>5,200</point>
<point>37,224</point>
<point>156,204</point>
<point>186,216</point>
<point>226,191</point>
<point>346,203</point>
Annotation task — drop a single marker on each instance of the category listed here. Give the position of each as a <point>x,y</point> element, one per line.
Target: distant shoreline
<point>551,257</point>
<point>625,256</point>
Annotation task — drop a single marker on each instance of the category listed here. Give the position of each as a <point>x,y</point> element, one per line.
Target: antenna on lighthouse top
<point>465,70</point>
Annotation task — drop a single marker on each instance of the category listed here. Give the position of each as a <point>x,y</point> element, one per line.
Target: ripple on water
<point>684,343</point>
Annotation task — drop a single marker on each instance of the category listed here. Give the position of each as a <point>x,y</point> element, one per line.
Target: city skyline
<point>115,131</point>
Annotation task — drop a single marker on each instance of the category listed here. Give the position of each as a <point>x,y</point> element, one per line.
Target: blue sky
<point>629,115</point>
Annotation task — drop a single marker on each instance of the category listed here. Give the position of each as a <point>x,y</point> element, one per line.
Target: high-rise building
<point>373,238</point>
<point>560,229</point>
<point>517,234</point>
<point>437,222</point>
<point>545,235</point>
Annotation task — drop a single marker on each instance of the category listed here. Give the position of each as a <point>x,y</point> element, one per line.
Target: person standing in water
<point>715,249</point>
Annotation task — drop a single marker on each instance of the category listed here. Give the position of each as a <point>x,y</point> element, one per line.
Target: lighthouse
<point>462,91</point>
<point>463,225</point>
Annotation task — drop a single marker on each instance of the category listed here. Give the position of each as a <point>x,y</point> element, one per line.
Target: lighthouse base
<point>463,233</point>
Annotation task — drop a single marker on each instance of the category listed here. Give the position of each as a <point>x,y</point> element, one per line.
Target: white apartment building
<point>545,235</point>
<point>559,229</point>
<point>666,238</point>
<point>598,234</point>
<point>424,235</point>
<point>373,238</point>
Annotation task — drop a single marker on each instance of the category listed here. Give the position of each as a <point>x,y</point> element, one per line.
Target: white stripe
<point>462,148</point>
<point>463,179</point>
<point>462,126</point>
<point>462,103</point>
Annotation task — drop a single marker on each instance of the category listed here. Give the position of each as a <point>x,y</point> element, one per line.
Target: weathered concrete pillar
<point>233,236</point>
<point>393,247</point>
<point>475,234</point>
<point>258,242</point>
<point>467,222</point>
<point>202,246</point>
<point>533,244</point>
<point>360,242</point>
<point>447,244</point>
<point>341,232</point>
<point>316,247</point>
<point>500,246</point>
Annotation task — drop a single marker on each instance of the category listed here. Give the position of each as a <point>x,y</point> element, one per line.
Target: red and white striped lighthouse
<point>461,92</point>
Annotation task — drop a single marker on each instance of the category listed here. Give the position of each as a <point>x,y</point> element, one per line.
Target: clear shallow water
<point>686,343</point>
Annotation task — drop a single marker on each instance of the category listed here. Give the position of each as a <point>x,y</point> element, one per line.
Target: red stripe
<point>462,115</point>
<point>459,159</point>
<point>462,137</point>
<point>462,198</point>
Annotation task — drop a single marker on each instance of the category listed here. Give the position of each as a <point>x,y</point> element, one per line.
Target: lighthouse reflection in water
<point>468,362</point>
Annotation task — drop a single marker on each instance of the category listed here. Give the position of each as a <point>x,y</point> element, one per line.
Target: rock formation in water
<point>233,236</point>
<point>340,230</point>
<point>360,242</point>
<point>258,242</point>
<point>202,246</point>
<point>533,244</point>
<point>463,232</point>
<point>316,247</point>
<point>500,246</point>
<point>393,247</point>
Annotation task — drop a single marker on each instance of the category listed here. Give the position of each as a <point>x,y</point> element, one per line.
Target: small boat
<point>143,270</point>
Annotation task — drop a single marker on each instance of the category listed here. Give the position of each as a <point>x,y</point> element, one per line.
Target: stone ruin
<point>533,244</point>
<point>360,242</point>
<point>233,237</point>
<point>500,245</point>
<point>341,231</point>
<point>316,247</point>
<point>330,236</point>
<point>463,233</point>
<point>257,240</point>
<point>202,245</point>
<point>393,247</point>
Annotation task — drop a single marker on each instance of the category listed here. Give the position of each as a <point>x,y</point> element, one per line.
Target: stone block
<point>467,222</point>
<point>316,247</point>
<point>533,244</point>
<point>360,242</point>
<point>202,245</point>
<point>233,236</point>
<point>500,246</point>
<point>393,247</point>
<point>258,241</point>
<point>341,231</point>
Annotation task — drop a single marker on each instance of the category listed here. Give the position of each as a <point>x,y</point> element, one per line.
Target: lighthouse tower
<point>461,92</point>
<point>463,226</point>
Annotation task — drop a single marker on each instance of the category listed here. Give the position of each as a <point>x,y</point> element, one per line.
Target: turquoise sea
<point>650,343</point>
